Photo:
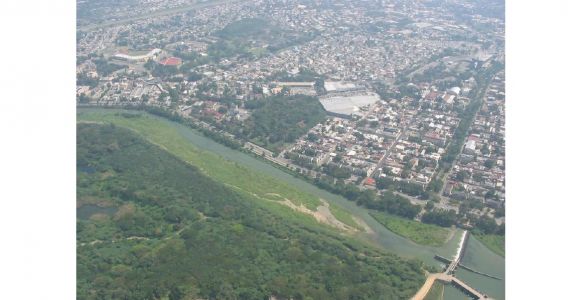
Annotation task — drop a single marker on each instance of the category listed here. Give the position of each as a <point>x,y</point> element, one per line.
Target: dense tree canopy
<point>440,217</point>
<point>282,119</point>
<point>177,234</point>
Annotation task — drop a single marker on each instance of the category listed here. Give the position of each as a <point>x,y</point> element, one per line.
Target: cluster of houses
<point>479,172</point>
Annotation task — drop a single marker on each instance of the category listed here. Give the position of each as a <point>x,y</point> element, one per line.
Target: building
<point>470,147</point>
<point>152,54</point>
<point>455,90</point>
<point>343,106</point>
<point>171,61</point>
<point>339,86</point>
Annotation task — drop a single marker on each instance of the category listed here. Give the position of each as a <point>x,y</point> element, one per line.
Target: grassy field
<point>423,234</point>
<point>495,243</point>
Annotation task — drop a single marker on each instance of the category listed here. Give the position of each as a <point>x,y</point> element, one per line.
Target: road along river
<point>477,255</point>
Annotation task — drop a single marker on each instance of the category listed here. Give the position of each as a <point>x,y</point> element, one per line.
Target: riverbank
<point>230,173</point>
<point>493,242</point>
<point>436,292</point>
<point>377,234</point>
<point>420,233</point>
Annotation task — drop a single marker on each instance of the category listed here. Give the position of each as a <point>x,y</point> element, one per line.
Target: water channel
<point>477,255</point>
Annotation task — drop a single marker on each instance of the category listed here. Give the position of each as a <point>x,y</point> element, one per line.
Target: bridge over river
<point>448,276</point>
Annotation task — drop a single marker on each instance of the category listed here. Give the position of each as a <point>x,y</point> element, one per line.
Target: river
<point>477,255</point>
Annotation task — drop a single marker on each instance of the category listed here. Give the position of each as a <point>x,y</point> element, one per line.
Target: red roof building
<point>171,61</point>
<point>370,181</point>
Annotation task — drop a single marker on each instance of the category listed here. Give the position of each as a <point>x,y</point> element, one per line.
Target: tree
<point>285,91</point>
<point>499,212</point>
<point>490,163</point>
<point>435,185</point>
<point>486,225</point>
<point>83,98</point>
<point>462,175</point>
<point>194,76</point>
<point>440,217</point>
<point>384,183</point>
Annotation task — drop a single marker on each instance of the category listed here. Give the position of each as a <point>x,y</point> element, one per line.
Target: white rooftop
<point>346,105</point>
<point>333,86</point>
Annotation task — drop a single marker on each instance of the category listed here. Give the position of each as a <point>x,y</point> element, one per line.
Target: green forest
<point>282,119</point>
<point>171,232</point>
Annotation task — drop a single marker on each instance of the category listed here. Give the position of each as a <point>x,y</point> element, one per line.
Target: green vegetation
<point>440,217</point>
<point>245,28</point>
<point>436,291</point>
<point>408,188</point>
<point>483,79</point>
<point>304,74</point>
<point>105,68</point>
<point>393,204</point>
<point>159,70</point>
<point>336,171</point>
<point>253,37</point>
<point>178,234</point>
<point>494,242</point>
<point>343,216</point>
<point>215,136</point>
<point>162,133</point>
<point>388,202</point>
<point>282,119</point>
<point>423,234</point>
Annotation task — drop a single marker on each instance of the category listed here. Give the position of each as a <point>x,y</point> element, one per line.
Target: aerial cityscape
<point>290,149</point>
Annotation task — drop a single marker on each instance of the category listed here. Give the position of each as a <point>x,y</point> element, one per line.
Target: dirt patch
<point>324,211</point>
<point>363,225</point>
<point>322,214</point>
<point>274,196</point>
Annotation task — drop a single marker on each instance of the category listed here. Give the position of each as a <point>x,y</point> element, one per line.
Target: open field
<point>495,243</point>
<point>420,233</point>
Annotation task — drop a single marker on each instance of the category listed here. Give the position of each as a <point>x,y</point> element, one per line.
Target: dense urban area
<point>399,106</point>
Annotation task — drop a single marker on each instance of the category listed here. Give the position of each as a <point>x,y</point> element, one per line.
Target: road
<point>424,290</point>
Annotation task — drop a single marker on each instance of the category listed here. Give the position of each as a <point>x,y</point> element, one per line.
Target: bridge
<point>460,253</point>
<point>448,276</point>
<point>448,261</point>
